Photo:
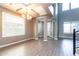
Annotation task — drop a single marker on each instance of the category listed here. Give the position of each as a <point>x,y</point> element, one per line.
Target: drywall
<point>7,40</point>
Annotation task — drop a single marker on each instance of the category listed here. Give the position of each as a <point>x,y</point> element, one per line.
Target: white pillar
<point>45,29</point>
<point>56,31</point>
<point>36,30</point>
<point>51,29</point>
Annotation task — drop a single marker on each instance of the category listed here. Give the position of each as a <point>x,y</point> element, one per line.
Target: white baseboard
<point>65,37</point>
<point>15,42</point>
<point>44,40</point>
<point>36,38</point>
<point>50,36</point>
<point>55,38</point>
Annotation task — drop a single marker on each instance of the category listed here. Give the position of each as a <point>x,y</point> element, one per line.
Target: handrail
<point>74,41</point>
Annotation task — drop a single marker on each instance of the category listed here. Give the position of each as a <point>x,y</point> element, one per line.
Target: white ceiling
<point>34,10</point>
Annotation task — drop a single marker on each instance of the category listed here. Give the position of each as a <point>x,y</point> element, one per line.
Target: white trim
<point>45,40</point>
<point>15,42</point>
<point>51,36</point>
<point>55,38</point>
<point>36,38</point>
<point>65,37</point>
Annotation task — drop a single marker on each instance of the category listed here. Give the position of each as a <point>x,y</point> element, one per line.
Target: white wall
<point>7,40</point>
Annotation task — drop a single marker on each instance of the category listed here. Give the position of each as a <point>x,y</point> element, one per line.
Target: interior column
<point>36,30</point>
<point>45,29</point>
<point>52,28</point>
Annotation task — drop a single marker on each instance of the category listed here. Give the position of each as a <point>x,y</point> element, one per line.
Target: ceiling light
<point>29,17</point>
<point>23,15</point>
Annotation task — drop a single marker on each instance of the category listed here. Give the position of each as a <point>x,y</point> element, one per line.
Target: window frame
<point>6,14</point>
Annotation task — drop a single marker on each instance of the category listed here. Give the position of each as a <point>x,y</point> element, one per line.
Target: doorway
<point>40,29</point>
<point>50,29</point>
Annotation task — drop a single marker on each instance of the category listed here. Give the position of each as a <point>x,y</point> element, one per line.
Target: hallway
<point>62,47</point>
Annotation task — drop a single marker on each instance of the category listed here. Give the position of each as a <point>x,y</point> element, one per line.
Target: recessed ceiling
<point>33,10</point>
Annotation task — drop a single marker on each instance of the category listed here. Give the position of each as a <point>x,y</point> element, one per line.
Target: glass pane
<point>40,28</point>
<point>12,25</point>
<point>74,5</point>
<point>75,25</point>
<point>49,28</point>
<point>51,9</point>
<point>65,6</point>
<point>66,27</point>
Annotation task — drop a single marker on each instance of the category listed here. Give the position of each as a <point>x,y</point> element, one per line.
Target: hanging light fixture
<point>23,15</point>
<point>26,15</point>
<point>29,17</point>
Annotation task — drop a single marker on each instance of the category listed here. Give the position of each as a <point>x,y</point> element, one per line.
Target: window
<point>40,27</point>
<point>74,5</point>
<point>56,9</point>
<point>12,25</point>
<point>75,25</point>
<point>67,27</point>
<point>65,6</point>
<point>49,28</point>
<point>51,9</point>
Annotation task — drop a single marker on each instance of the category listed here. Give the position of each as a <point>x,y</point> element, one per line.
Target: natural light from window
<point>51,9</point>
<point>12,25</point>
<point>69,26</point>
<point>74,5</point>
<point>65,6</point>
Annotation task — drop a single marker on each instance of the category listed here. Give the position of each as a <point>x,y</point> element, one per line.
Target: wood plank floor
<point>62,47</point>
